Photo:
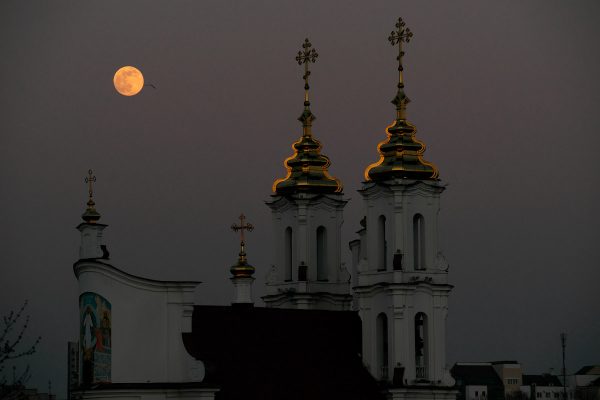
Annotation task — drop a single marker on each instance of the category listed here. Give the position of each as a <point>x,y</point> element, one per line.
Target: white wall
<point>148,318</point>
<point>401,294</point>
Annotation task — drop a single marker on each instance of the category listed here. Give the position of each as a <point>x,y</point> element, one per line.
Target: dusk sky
<point>506,95</point>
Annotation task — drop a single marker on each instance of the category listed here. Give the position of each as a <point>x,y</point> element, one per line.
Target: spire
<point>401,154</point>
<point>307,168</point>
<point>242,269</point>
<point>400,36</point>
<point>242,272</point>
<point>91,216</point>
<point>306,56</point>
<point>91,231</point>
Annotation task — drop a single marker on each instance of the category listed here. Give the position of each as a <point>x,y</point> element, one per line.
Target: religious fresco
<point>94,338</point>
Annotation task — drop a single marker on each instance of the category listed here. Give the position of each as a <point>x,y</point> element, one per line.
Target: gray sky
<point>504,94</point>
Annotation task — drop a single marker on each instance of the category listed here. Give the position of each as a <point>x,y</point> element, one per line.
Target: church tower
<point>307,208</point>
<point>400,277</point>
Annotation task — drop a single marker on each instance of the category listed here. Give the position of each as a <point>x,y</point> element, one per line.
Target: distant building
<point>542,387</point>
<point>477,381</point>
<point>512,376</point>
<point>504,380</point>
<point>72,367</point>
<point>586,383</point>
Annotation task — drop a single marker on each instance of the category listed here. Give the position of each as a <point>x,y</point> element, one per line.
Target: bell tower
<point>307,209</point>
<point>400,277</point>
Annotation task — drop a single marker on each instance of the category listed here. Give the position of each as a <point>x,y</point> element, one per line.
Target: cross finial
<point>399,36</point>
<point>242,227</point>
<point>90,215</point>
<point>90,179</point>
<point>306,56</point>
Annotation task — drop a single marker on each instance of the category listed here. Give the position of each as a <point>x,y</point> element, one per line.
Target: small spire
<point>399,36</point>
<point>306,56</point>
<point>242,268</point>
<point>90,215</point>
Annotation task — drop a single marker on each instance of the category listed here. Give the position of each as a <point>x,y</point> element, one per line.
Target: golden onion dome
<point>242,269</point>
<point>307,168</point>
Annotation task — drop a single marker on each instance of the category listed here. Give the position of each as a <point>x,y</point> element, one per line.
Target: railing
<point>421,372</point>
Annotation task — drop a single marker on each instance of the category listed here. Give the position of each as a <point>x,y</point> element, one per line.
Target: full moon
<point>128,81</point>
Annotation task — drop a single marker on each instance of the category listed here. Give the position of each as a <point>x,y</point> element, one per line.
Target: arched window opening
<point>382,345</point>
<point>419,241</point>
<point>287,256</point>
<point>421,345</point>
<point>381,244</point>
<point>321,253</point>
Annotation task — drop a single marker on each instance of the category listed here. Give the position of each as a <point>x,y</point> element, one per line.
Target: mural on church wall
<point>94,338</point>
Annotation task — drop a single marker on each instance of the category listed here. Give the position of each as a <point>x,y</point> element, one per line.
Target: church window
<point>419,241</point>
<point>421,345</point>
<point>321,253</point>
<point>382,345</point>
<point>288,254</point>
<point>381,244</point>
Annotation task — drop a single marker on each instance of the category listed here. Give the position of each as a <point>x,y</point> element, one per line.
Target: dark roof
<point>475,374</point>
<point>541,380</point>
<point>595,369</point>
<point>267,353</point>
<point>478,374</point>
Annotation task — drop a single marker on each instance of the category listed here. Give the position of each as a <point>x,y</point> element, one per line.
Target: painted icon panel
<point>94,338</point>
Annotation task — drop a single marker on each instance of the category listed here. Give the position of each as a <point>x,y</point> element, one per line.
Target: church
<point>374,332</point>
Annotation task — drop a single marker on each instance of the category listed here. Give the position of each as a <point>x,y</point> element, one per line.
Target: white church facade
<point>375,331</point>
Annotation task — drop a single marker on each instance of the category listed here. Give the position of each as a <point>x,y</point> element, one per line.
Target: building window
<point>547,395</point>
<point>288,256</point>
<point>381,244</point>
<point>512,381</point>
<point>538,395</point>
<point>556,395</point>
<point>421,345</point>
<point>483,394</point>
<point>419,241</point>
<point>382,345</point>
<point>321,253</point>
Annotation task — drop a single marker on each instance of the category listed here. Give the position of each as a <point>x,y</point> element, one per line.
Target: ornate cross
<point>399,36</point>
<point>242,227</point>
<point>305,56</point>
<point>90,179</point>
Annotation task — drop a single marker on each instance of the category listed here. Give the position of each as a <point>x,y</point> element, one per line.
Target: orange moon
<point>128,81</point>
